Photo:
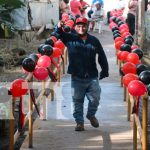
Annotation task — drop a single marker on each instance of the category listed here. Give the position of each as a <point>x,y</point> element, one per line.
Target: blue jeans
<point>81,88</point>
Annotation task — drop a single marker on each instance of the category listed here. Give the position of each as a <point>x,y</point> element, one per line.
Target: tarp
<point>42,13</point>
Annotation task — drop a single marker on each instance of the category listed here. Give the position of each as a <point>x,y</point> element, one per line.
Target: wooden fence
<point>13,136</point>
<point>138,126</point>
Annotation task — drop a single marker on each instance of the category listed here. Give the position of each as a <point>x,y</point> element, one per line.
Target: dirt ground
<point>10,72</point>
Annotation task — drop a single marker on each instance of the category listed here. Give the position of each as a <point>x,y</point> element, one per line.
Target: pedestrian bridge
<point>54,129</point>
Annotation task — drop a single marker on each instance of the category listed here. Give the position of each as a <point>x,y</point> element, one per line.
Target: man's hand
<point>103,75</point>
<point>60,24</point>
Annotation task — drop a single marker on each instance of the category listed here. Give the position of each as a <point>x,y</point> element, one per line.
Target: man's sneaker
<point>79,127</point>
<point>94,122</point>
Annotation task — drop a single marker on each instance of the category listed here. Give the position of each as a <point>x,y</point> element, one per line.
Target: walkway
<point>114,133</point>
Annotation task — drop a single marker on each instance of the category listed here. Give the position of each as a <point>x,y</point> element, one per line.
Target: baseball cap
<point>81,20</point>
<point>97,2</point>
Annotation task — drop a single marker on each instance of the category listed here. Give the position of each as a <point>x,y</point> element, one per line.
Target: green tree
<point>6,8</point>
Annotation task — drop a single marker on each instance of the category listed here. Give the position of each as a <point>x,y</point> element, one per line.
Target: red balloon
<point>110,20</point>
<point>44,61</point>
<point>136,88</point>
<point>69,25</point>
<point>112,24</point>
<point>40,73</point>
<point>65,17</point>
<point>129,67</point>
<point>123,26</point>
<point>118,45</point>
<point>59,44</point>
<point>134,47</point>
<point>118,39</point>
<point>128,78</point>
<point>56,52</point>
<point>19,87</point>
<point>124,55</point>
<point>125,34</point>
<point>122,18</point>
<point>39,55</point>
<point>119,12</point>
<point>53,38</point>
<point>133,58</point>
<point>71,22</point>
<point>119,55</point>
<point>122,31</point>
<point>115,14</point>
<point>112,12</point>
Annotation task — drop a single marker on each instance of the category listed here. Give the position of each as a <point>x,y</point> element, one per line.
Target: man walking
<point>82,50</point>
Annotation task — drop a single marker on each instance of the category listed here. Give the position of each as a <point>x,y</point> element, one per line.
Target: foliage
<point>6,8</point>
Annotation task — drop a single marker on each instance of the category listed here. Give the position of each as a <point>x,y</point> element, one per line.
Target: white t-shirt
<point>97,13</point>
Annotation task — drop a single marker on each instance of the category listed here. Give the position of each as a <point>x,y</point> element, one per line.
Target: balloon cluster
<point>51,49</point>
<point>69,21</point>
<point>136,76</point>
<point>38,63</point>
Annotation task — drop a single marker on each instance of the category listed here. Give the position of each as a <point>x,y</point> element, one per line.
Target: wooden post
<point>121,83</point>
<point>117,61</point>
<point>44,101</point>
<point>66,55</point>
<point>125,93</point>
<point>144,122</point>
<point>52,94</point>
<point>63,65</point>
<point>2,131</point>
<point>30,119</point>
<point>131,99</point>
<point>134,134</point>
<point>11,125</point>
<point>129,106</point>
<point>58,76</point>
<point>120,65</point>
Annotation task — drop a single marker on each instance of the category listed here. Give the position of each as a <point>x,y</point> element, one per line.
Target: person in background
<point>90,12</point>
<point>82,49</point>
<point>97,15</point>
<point>148,6</point>
<point>63,7</point>
<point>84,6</point>
<point>100,1</point>
<point>75,7</point>
<point>132,7</point>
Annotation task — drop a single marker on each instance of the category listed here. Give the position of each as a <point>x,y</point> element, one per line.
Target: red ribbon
<point>51,75</point>
<point>21,114</point>
<point>55,64</point>
<point>137,105</point>
<point>33,100</point>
